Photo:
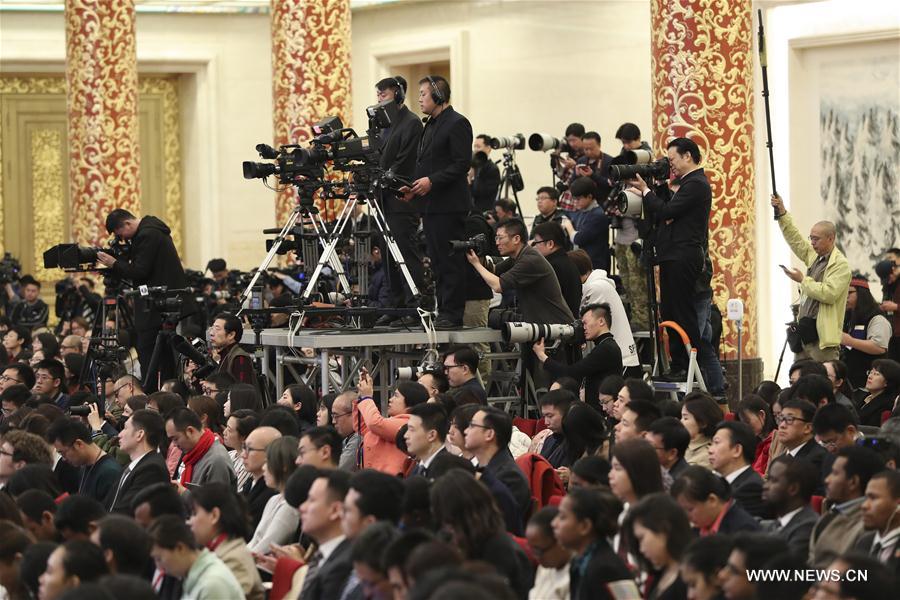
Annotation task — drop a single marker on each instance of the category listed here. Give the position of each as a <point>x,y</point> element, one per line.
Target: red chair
<point>730,416</point>
<point>816,503</point>
<point>523,544</point>
<point>526,426</point>
<point>543,480</point>
<point>555,500</point>
<point>283,577</point>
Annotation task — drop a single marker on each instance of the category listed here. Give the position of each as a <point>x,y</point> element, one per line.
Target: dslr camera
<point>478,243</point>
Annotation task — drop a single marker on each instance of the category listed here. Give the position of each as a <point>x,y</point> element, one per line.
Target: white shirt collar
<point>427,462</point>
<point>797,449</point>
<point>888,538</point>
<point>735,474</point>
<point>783,520</point>
<point>328,547</point>
<point>134,463</point>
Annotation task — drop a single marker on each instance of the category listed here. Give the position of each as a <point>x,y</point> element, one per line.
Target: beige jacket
<point>237,558</point>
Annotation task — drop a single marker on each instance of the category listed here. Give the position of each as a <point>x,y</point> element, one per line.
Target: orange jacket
<point>379,435</point>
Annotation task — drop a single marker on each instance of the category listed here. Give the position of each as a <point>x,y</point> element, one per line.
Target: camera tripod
<point>511,179</point>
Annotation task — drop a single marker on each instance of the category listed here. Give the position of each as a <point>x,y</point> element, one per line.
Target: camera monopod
<point>765,93</point>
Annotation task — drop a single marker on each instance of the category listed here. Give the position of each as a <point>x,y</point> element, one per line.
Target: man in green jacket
<point>823,289</point>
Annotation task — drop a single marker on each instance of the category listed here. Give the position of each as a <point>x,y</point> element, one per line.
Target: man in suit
<point>442,195</point>
<point>788,491</point>
<point>253,453</point>
<point>321,517</point>
<point>795,433</point>
<point>487,437</point>
<point>731,455</point>
<point>399,144</point>
<point>881,519</point>
<point>842,525</point>
<point>140,439</point>
<point>670,439</point>
<point>425,433</point>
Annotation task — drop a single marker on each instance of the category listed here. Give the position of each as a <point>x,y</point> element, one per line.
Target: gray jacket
<point>215,465</point>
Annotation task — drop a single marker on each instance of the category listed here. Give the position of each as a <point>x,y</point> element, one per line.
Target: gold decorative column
<point>101,90</point>
<point>702,67</point>
<point>310,72</point>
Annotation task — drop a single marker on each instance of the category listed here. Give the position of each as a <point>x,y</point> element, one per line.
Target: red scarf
<point>193,457</point>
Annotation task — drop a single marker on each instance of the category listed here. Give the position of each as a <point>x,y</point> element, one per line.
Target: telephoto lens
<point>514,142</point>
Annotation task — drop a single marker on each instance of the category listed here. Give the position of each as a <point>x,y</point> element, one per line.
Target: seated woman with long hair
<point>756,412</point>
<point>219,522</point>
<point>238,426</point>
<point>706,498</point>
<point>465,508</point>
<point>302,400</point>
<point>634,472</point>
<point>700,414</point>
<point>586,520</point>
<point>279,521</point>
<point>882,387</point>
<point>660,532</point>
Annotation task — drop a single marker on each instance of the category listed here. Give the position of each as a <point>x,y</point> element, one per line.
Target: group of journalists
<point>122,475</point>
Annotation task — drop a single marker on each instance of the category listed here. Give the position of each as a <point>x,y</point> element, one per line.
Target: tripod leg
<point>391,244</point>
<point>273,251</point>
<point>153,367</point>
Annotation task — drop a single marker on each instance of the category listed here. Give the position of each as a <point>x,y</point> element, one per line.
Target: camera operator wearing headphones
<point>441,193</point>
<point>528,273</point>
<point>398,154</point>
<point>681,239</point>
<point>152,261</point>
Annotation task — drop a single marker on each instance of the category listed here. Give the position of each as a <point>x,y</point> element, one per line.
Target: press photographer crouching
<point>605,358</point>
<point>528,273</point>
<point>152,261</point>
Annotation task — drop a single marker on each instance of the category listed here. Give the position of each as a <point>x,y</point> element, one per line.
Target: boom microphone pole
<point>765,93</point>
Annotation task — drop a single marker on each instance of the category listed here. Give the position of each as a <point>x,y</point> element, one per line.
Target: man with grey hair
<point>823,289</point>
<point>342,419</point>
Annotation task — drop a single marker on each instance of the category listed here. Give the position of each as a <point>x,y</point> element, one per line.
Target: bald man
<point>823,289</point>
<point>253,453</point>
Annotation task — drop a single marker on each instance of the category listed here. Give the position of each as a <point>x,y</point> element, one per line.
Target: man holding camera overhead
<point>681,241</point>
<point>441,193</point>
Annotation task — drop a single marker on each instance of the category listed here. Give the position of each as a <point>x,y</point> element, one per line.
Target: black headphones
<point>399,95</point>
<point>436,94</point>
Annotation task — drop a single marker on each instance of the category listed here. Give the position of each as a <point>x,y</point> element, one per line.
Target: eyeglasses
<point>43,377</point>
<point>500,238</point>
<point>789,419</point>
<point>7,379</point>
<point>336,416</point>
<point>120,388</point>
<point>249,449</point>
<point>479,426</point>
<point>536,242</point>
<point>448,367</point>
<point>209,390</point>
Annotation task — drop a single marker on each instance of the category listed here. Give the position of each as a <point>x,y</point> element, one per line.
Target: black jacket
<point>683,220</point>
<point>510,561</point>
<point>153,261</point>
<point>746,490</point>
<point>332,576</point>
<point>149,470</point>
<point>503,467</point>
<point>444,156</point>
<point>737,519</point>
<point>815,454</point>
<point>485,185</point>
<point>398,153</point>
<point>569,279</point>
<point>798,530</point>
<point>257,498</point>
<point>605,359</point>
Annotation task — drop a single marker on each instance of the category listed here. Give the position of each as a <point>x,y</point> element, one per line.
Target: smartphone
<point>783,267</point>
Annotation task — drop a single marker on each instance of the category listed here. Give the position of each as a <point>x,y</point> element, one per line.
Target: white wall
<point>790,32</point>
<point>226,106</point>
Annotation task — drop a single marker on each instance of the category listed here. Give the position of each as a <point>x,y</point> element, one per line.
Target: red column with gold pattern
<point>702,68</point>
<point>311,72</point>
<point>101,88</point>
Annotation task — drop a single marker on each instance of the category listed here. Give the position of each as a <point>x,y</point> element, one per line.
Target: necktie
<point>420,471</point>
<point>876,551</point>
<point>125,474</point>
<point>248,486</point>
<point>311,574</point>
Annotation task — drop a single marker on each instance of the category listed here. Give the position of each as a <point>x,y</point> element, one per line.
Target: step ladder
<point>694,378</point>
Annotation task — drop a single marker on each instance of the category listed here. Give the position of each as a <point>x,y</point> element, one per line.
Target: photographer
<point>526,272</point>
<point>565,166</point>
<point>823,290</point>
<point>588,227</point>
<point>441,193</point>
<point>682,235</point>
<point>605,359</point>
<point>399,145</point>
<point>547,201</point>
<point>550,240</point>
<point>594,164</point>
<point>29,311</point>
<point>485,175</point>
<point>627,247</point>
<point>152,261</point>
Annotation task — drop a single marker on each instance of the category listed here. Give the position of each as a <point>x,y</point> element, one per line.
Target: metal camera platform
<point>380,350</point>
